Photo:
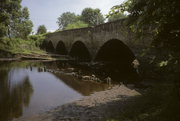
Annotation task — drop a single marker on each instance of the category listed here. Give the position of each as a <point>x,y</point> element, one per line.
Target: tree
<point>92,16</point>
<point>78,24</point>
<point>14,20</point>
<point>115,17</point>
<point>65,19</point>
<point>24,24</point>
<point>9,10</point>
<point>162,15</point>
<point>41,29</point>
<point>3,18</point>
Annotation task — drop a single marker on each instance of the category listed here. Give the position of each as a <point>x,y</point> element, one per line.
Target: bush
<point>37,39</point>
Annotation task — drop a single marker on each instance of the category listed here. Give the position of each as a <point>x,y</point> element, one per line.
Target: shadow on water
<point>118,72</point>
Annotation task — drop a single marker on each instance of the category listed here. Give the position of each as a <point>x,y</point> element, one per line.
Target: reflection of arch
<point>115,51</point>
<point>80,51</point>
<point>61,49</point>
<point>50,47</point>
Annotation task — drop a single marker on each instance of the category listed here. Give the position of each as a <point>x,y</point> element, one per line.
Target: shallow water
<point>26,88</point>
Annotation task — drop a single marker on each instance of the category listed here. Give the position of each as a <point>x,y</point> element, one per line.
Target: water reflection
<point>26,88</point>
<point>82,87</point>
<point>13,95</point>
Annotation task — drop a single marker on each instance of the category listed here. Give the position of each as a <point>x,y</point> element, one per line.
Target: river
<point>29,87</point>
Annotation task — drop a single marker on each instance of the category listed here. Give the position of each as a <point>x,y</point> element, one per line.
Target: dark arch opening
<point>115,51</point>
<point>61,49</point>
<point>80,52</point>
<point>50,47</point>
<point>116,59</point>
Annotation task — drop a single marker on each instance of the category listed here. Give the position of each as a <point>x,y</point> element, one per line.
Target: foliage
<point>89,17</point>
<point>8,11</point>
<point>67,18</point>
<point>160,18</point>
<point>92,16</point>
<point>23,25</point>
<point>163,63</point>
<point>115,17</point>
<point>17,45</point>
<point>78,24</point>
<point>159,14</point>
<point>14,20</point>
<point>41,29</point>
<point>37,39</point>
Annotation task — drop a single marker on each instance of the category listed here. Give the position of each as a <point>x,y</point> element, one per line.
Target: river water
<point>28,88</point>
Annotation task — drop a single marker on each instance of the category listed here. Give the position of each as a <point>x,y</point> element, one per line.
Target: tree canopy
<point>14,20</point>
<point>9,10</point>
<point>41,29</point>
<point>65,19</point>
<point>92,16</point>
<point>163,15</point>
<point>116,16</point>
<point>88,17</point>
<point>24,25</point>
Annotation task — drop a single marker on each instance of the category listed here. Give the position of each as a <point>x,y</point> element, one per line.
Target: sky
<point>46,12</point>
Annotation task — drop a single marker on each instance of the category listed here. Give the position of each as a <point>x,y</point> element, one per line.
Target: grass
<point>21,46</point>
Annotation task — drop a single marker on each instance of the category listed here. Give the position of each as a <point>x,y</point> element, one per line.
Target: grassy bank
<point>31,45</point>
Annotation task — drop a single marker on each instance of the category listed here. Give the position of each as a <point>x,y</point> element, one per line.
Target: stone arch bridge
<point>113,41</point>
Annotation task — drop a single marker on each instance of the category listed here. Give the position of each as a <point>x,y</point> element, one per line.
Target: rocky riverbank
<point>99,106</point>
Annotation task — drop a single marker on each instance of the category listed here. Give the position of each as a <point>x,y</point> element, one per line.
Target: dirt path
<point>99,106</point>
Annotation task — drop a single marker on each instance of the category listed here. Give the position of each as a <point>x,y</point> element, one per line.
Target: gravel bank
<point>96,107</point>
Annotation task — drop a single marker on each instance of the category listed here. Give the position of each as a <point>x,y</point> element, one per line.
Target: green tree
<point>14,20</point>
<point>78,24</point>
<point>162,15</point>
<point>24,25</point>
<point>3,18</point>
<point>41,29</point>
<point>115,17</point>
<point>65,19</point>
<point>92,16</point>
<point>9,11</point>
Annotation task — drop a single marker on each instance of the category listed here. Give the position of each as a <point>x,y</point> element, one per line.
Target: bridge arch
<point>116,58</point>
<point>49,47</point>
<point>115,50</point>
<point>79,51</point>
<point>61,48</point>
